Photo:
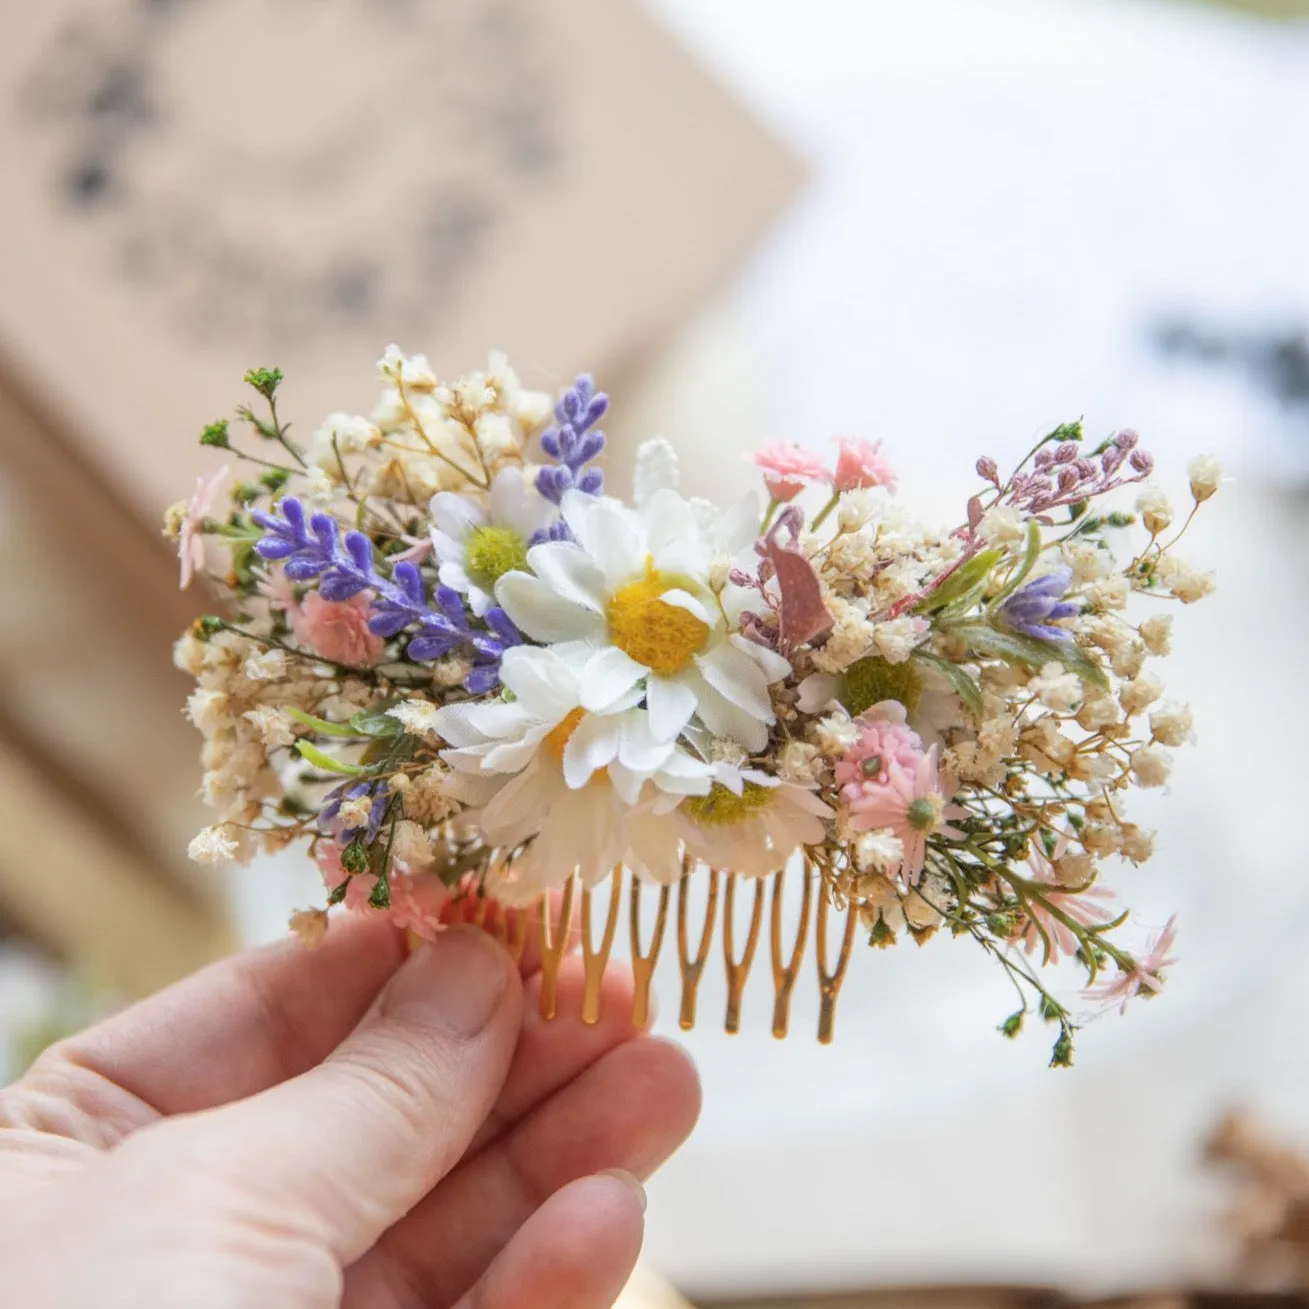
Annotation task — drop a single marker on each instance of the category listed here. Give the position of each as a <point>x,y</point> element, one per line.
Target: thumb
<point>355,1143</point>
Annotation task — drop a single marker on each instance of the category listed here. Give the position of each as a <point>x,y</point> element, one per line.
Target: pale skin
<point>341,1126</point>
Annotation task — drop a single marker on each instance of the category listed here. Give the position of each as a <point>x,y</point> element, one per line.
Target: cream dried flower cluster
<point>456,667</point>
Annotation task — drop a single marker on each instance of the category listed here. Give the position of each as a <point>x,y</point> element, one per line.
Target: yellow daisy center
<point>662,636</point>
<point>723,807</point>
<point>557,737</point>
<point>491,552</point>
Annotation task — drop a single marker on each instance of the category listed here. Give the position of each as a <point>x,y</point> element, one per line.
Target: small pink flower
<point>417,901</point>
<point>885,740</point>
<point>1146,975</point>
<point>912,803</point>
<point>338,629</point>
<point>190,538</point>
<point>1090,907</point>
<point>788,468</point>
<point>861,464</point>
<point>279,591</point>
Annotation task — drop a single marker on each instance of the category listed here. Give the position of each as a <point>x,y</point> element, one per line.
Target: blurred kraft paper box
<point>194,187</point>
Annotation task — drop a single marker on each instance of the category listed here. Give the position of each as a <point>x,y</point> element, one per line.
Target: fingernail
<point>629,1180</point>
<point>455,984</point>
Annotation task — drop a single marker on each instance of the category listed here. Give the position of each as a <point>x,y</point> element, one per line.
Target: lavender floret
<point>1032,609</point>
<point>573,442</point>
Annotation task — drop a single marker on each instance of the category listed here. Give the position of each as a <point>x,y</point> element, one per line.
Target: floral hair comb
<point>478,687</point>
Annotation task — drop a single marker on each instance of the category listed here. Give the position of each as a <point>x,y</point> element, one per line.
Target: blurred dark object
<point>1270,1215</point>
<point>1276,362</point>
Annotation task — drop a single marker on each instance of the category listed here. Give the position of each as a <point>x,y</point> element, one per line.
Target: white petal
<point>516,811</point>
<point>592,745</point>
<point>817,691</point>
<point>723,718</point>
<point>448,550</point>
<point>512,756</point>
<point>455,515</point>
<point>545,685</point>
<point>479,601</point>
<point>774,666</point>
<point>610,533</point>
<point>475,724</point>
<point>627,783</point>
<point>608,677</point>
<point>735,676</point>
<point>506,495</point>
<point>669,520</point>
<point>535,609</point>
<point>639,749</point>
<point>568,571</point>
<point>738,526</point>
<point>685,600</point>
<point>671,703</point>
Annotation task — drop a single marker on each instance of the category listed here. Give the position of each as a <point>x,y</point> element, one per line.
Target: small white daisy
<point>552,774</point>
<point>633,589</point>
<point>478,545</point>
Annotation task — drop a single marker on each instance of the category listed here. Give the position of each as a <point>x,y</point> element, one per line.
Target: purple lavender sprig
<point>573,442</point>
<point>1033,608</point>
<point>345,569</point>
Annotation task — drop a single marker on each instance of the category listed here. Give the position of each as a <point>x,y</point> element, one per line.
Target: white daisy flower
<point>634,589</point>
<point>553,774</point>
<point>476,546</point>
<point>747,823</point>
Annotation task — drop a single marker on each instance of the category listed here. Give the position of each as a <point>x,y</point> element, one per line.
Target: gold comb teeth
<point>551,922</point>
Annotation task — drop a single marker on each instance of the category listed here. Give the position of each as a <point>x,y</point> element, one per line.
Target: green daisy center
<point>871,680</point>
<point>723,807</point>
<point>491,552</point>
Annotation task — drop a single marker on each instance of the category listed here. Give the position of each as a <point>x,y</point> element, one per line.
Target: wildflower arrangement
<point>468,678</point>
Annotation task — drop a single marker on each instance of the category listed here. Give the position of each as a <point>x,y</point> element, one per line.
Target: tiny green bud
<point>1012,1025</point>
<point>337,893</point>
<point>1050,1011</point>
<point>881,936</point>
<point>243,493</point>
<point>354,858</point>
<point>207,626</point>
<point>275,479</point>
<point>264,380</point>
<point>1119,519</point>
<point>216,434</point>
<point>381,896</point>
<point>1077,509</point>
<point>871,766</point>
<point>1062,1054</point>
<point>1067,432</point>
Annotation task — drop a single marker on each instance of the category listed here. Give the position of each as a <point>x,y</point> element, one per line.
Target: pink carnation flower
<point>1146,975</point>
<point>912,803</point>
<point>190,538</point>
<point>788,468</point>
<point>885,741</point>
<point>1090,907</point>
<point>861,464</point>
<point>338,629</point>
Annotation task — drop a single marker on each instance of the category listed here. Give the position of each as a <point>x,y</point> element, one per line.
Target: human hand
<point>306,1128</point>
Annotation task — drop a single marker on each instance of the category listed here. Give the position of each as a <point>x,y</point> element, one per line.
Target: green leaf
<point>1029,652</point>
<point>961,581</point>
<point>1031,553</point>
<point>322,760</point>
<point>375,722</point>
<point>321,725</point>
<point>960,682</point>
